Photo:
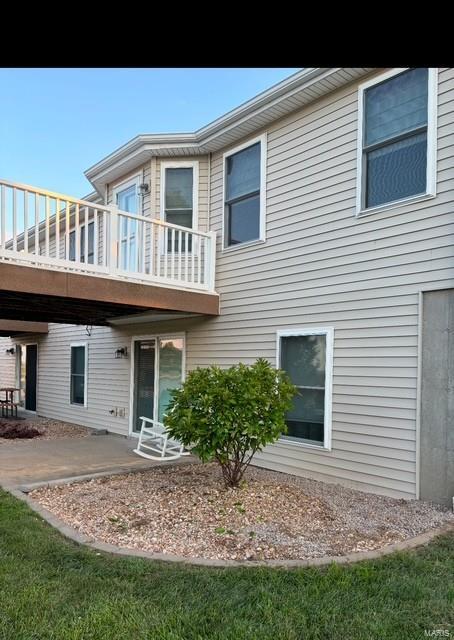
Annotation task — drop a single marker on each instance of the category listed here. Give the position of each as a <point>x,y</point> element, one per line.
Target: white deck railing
<point>52,230</point>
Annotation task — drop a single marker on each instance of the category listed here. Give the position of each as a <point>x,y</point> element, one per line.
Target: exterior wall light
<point>11,351</point>
<point>122,352</point>
<point>143,188</point>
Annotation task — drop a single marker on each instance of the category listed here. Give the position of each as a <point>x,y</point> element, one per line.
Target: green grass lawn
<point>52,588</point>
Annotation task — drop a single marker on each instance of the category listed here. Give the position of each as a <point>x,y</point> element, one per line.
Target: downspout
<point>209,193</point>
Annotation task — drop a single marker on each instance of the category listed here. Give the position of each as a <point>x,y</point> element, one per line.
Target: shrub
<point>228,415</point>
<point>18,431</point>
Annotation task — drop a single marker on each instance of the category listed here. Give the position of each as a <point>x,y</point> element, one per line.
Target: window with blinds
<point>307,356</point>
<point>79,374</point>
<point>395,138</point>
<point>244,194</point>
<point>178,202</point>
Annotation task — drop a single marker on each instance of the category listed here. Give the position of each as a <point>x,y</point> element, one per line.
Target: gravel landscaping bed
<point>49,430</point>
<point>187,511</point>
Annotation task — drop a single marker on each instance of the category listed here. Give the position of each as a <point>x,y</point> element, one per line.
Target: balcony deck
<point>74,261</point>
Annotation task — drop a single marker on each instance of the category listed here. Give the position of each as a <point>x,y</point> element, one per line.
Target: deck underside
<point>14,328</point>
<point>40,295</point>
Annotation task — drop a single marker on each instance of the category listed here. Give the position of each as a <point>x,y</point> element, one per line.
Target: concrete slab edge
<point>111,471</point>
<point>80,538</point>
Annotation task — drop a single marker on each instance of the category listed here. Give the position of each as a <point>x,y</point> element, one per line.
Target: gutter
<point>195,141</point>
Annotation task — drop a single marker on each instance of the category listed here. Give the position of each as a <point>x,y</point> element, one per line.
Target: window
<point>306,355</point>
<point>79,374</point>
<point>179,198</point>
<point>90,258</point>
<point>126,198</point>
<point>244,194</point>
<point>396,137</point>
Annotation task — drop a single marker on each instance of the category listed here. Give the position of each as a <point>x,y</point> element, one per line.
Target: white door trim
<point>156,337</point>
<point>18,371</point>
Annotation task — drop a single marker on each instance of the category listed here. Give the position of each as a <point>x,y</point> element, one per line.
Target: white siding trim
<point>17,367</point>
<point>432,116</point>
<point>209,162</point>
<point>311,331</point>
<point>7,363</point>
<point>85,345</point>
<point>182,164</point>
<point>263,162</point>
<point>431,175</point>
<point>160,336</point>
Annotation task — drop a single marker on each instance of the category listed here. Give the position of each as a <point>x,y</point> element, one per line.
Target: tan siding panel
<point>7,364</point>
<point>320,266</point>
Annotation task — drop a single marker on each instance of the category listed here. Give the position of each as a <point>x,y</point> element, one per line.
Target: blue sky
<point>55,123</point>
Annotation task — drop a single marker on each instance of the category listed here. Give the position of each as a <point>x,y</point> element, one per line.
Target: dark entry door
<point>144,380</point>
<point>30,377</point>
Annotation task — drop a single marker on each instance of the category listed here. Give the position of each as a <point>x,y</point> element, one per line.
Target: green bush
<point>228,415</point>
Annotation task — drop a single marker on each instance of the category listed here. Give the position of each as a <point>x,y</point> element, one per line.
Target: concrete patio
<point>26,463</point>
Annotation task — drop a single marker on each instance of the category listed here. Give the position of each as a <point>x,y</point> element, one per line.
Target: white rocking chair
<point>154,438</point>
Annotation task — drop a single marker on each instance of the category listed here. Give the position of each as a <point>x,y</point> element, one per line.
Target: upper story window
<point>179,197</point>
<point>88,257</point>
<point>397,137</point>
<point>244,193</point>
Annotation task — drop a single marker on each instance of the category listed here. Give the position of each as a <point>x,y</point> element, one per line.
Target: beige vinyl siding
<point>107,382</point>
<point>108,379</point>
<point>203,186</point>
<point>7,364</point>
<point>150,204</point>
<point>322,266</point>
<point>150,173</point>
<point>143,172</point>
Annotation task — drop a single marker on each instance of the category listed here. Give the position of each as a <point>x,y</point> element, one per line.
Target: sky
<point>56,123</point>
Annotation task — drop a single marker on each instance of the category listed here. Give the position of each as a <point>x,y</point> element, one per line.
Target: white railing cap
<point>51,194</point>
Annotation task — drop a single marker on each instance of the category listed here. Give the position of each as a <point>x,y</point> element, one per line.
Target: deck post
<point>113,238</point>
<point>210,261</point>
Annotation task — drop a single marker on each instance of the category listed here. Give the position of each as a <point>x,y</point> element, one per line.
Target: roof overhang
<point>292,93</point>
<point>15,328</point>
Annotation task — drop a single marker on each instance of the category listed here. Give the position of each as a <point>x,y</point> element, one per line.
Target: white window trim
<point>263,139</point>
<point>431,175</point>
<point>79,344</point>
<point>182,164</point>
<point>125,184</point>
<point>314,331</point>
<point>154,336</point>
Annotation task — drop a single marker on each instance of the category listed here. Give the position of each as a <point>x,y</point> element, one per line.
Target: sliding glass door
<point>170,372</point>
<point>158,368</point>
<point>144,380</point>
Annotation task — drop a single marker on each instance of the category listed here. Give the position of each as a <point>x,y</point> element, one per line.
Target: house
<point>312,226</point>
